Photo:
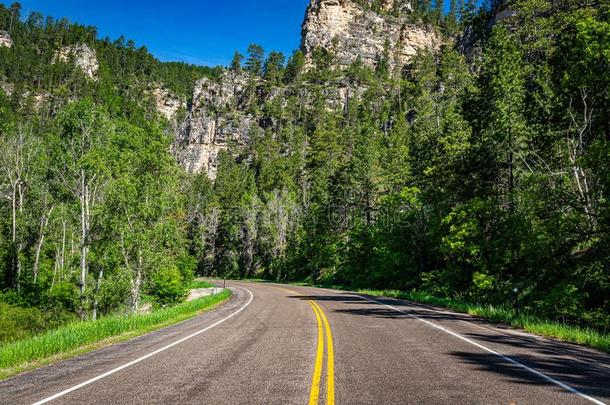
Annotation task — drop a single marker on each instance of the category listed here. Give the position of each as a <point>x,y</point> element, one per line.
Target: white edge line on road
<point>502,356</point>
<point>131,363</point>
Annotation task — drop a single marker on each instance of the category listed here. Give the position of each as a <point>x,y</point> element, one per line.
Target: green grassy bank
<point>200,284</point>
<point>80,337</point>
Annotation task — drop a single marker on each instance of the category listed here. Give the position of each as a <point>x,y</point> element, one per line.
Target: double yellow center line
<point>323,325</point>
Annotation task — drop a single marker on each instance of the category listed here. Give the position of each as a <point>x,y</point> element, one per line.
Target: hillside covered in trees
<point>477,167</point>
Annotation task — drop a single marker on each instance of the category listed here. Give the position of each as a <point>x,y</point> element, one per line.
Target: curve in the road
<point>266,350</point>
<point>330,357</point>
<point>314,394</point>
<point>131,363</point>
<point>323,329</point>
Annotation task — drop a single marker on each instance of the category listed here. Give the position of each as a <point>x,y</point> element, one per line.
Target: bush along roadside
<point>81,337</point>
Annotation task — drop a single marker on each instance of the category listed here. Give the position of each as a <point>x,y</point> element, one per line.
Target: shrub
<point>17,322</point>
<point>168,287</point>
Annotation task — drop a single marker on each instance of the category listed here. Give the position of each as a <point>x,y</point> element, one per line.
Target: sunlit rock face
<point>219,119</point>
<point>7,88</point>
<point>350,29</point>
<point>215,121</point>
<point>219,116</point>
<point>83,58</point>
<point>166,103</point>
<point>5,40</point>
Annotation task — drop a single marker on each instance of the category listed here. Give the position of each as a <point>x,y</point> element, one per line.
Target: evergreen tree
<point>273,69</point>
<point>236,62</point>
<point>254,63</point>
<point>294,67</point>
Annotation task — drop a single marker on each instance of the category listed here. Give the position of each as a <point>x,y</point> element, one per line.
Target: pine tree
<point>453,11</point>
<point>504,91</point>
<point>294,67</point>
<point>451,21</point>
<point>273,68</point>
<point>439,10</point>
<point>15,10</point>
<point>460,11</point>
<point>254,63</point>
<point>469,12</point>
<point>236,62</point>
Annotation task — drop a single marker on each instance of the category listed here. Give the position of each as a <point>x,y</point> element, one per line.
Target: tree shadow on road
<point>579,367</point>
<point>589,378</point>
<point>347,299</point>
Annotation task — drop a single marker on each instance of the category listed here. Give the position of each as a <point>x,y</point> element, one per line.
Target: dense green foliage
<point>92,216</point>
<point>462,177</point>
<point>477,169</point>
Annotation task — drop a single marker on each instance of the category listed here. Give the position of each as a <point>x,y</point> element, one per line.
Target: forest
<point>475,171</point>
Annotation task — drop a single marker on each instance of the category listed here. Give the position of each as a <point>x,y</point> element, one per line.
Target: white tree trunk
<point>44,222</point>
<point>84,243</point>
<point>576,149</point>
<point>100,277</point>
<point>17,267</point>
<point>136,284</point>
<point>62,260</point>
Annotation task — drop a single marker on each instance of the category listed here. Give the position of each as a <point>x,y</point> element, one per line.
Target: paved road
<point>274,344</point>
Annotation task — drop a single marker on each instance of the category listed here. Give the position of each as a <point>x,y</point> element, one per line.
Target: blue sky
<point>203,32</point>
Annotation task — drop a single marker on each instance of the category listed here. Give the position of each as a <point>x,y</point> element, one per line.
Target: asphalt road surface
<point>273,344</point>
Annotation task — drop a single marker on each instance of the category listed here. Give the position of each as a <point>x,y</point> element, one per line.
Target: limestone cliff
<point>351,29</point>
<point>82,56</point>
<point>5,40</point>
<point>166,103</point>
<point>220,115</point>
<point>215,120</point>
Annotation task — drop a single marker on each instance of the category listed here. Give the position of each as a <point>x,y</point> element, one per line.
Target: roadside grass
<point>496,314</point>
<point>81,337</point>
<point>200,284</point>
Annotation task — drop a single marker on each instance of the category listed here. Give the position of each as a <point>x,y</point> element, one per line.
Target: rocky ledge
<point>215,121</point>
<point>352,29</point>
<point>5,40</point>
<point>82,56</point>
<point>166,103</point>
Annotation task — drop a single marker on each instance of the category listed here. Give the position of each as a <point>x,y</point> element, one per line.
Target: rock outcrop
<point>5,40</point>
<point>82,56</point>
<point>166,103</point>
<point>7,88</point>
<point>215,121</point>
<point>220,118</point>
<point>351,29</point>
